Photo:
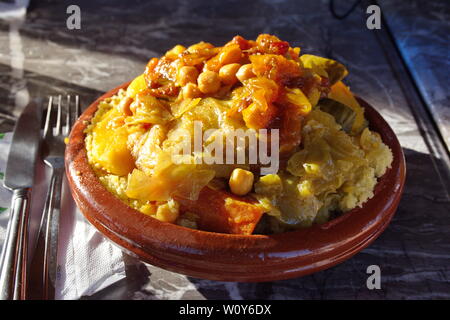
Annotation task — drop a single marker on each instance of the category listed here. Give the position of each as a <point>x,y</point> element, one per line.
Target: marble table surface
<point>40,56</point>
<point>424,43</point>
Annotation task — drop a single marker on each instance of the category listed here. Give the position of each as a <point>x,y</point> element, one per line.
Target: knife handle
<point>13,269</point>
<point>43,274</point>
<point>52,211</point>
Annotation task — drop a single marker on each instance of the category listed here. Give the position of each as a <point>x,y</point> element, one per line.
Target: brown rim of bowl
<point>229,257</point>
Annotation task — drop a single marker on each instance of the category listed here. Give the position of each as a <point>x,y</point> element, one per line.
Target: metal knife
<point>19,177</point>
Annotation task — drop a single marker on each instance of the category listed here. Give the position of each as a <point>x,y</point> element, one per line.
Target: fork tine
<point>47,117</point>
<point>77,107</point>
<point>75,112</point>
<point>68,116</point>
<point>58,118</point>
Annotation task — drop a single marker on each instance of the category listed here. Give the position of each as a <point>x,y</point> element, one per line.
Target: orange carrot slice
<point>221,211</point>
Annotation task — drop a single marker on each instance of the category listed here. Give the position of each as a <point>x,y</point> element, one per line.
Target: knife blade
<point>19,176</point>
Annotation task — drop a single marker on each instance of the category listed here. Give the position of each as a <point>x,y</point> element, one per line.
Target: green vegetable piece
<point>324,67</point>
<point>345,116</point>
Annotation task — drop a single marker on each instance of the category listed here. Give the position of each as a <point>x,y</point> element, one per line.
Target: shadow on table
<point>137,276</point>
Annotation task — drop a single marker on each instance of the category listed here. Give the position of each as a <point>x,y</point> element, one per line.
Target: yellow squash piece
<point>298,98</point>
<point>136,86</point>
<point>109,145</point>
<point>341,93</point>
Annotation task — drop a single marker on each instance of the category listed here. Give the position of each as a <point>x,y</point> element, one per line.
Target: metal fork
<point>53,148</point>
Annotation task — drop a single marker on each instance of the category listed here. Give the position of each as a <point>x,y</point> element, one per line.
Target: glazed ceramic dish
<point>232,257</point>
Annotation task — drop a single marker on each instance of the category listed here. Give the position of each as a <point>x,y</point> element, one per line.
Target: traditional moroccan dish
<point>250,137</point>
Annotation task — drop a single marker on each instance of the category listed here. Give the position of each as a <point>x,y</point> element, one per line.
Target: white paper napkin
<point>87,261</point>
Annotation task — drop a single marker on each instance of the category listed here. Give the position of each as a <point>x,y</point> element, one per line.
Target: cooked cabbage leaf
<point>344,115</point>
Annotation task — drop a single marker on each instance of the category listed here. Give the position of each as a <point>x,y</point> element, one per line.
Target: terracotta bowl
<point>229,257</point>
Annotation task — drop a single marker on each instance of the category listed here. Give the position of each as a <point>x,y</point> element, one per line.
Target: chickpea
<point>241,181</point>
<point>124,106</point>
<point>133,107</point>
<point>168,212</point>
<point>148,209</point>
<point>227,73</point>
<point>191,91</point>
<point>230,54</point>
<point>199,47</point>
<point>245,72</point>
<point>208,81</point>
<point>175,51</point>
<point>187,74</point>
